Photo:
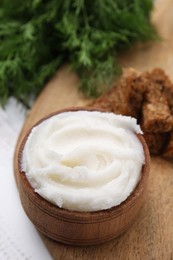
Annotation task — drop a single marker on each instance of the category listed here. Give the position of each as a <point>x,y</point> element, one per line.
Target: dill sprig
<point>37,37</point>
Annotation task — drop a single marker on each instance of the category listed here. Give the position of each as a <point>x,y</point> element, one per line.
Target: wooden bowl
<point>81,228</point>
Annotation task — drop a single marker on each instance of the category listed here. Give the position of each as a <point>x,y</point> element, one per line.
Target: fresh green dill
<point>37,37</point>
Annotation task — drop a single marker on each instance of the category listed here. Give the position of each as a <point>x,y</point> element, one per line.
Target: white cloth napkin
<point>18,237</point>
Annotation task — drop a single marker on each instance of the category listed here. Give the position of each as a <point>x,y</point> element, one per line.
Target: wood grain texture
<point>151,236</point>
<point>81,228</point>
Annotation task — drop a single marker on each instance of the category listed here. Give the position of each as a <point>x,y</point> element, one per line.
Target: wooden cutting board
<point>151,236</point>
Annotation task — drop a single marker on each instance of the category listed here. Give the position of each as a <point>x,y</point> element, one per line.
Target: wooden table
<point>151,236</point>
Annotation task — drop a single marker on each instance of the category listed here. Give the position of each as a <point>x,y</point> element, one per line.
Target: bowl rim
<point>82,216</point>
